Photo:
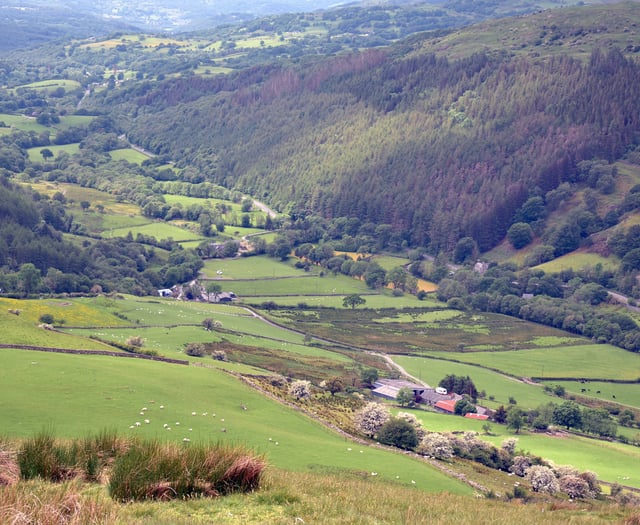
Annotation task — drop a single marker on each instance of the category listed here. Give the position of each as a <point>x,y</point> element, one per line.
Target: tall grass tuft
<point>60,504</point>
<point>151,470</point>
<point>54,460</point>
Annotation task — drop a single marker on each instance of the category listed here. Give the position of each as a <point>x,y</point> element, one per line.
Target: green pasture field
<point>50,85</point>
<point>388,261</point>
<point>625,393</point>
<point>113,210</point>
<point>494,384</point>
<point>299,286</point>
<point>22,123</point>
<point>23,329</point>
<point>130,155</point>
<point>159,230</point>
<point>611,461</point>
<point>257,267</point>
<point>204,71</point>
<point>68,121</point>
<point>374,300</point>
<point>100,222</point>
<point>36,156</point>
<point>578,260</point>
<point>580,361</point>
<point>79,395</point>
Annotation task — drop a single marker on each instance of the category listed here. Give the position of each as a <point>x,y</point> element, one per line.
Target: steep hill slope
<point>440,148</point>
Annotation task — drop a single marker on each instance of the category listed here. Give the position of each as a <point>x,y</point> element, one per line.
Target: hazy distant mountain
<point>163,15</point>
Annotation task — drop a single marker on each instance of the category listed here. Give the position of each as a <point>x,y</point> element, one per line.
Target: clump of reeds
<point>163,471</point>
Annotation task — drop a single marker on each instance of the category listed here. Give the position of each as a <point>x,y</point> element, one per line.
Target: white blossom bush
<point>574,486</point>
<point>592,480</point>
<point>300,389</point>
<point>436,445</point>
<point>543,479</point>
<point>565,470</point>
<point>415,422</point>
<point>509,445</point>
<point>371,418</point>
<point>520,465</point>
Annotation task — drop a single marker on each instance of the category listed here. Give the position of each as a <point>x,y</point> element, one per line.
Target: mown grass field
<point>75,395</point>
<point>130,155</point>
<point>258,267</point>
<point>50,85</point>
<point>35,154</point>
<point>159,230</point>
<point>584,361</point>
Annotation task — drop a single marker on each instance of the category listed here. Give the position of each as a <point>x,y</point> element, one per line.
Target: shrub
<point>520,465</point>
<point>194,349</point>
<point>371,418</point>
<point>135,341</point>
<point>415,422</point>
<point>399,433</point>
<point>436,445</point>
<point>47,319</point>
<point>574,486</point>
<point>300,389</point>
<point>509,445</point>
<point>543,479</point>
<point>219,355</point>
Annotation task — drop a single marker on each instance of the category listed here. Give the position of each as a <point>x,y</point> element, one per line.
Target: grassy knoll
<point>74,395</point>
<point>130,155</point>
<point>36,156</point>
<point>584,361</point>
<point>494,384</point>
<point>625,394</point>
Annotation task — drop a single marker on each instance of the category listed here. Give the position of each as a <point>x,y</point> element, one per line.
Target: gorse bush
<point>182,471</point>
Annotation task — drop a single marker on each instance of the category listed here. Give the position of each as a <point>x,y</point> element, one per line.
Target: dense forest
<point>440,149</point>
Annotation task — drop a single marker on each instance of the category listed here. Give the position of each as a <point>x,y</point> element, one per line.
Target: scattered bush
<point>543,479</point>
<point>509,445</point>
<point>194,349</point>
<point>47,319</point>
<point>300,389</point>
<point>135,341</point>
<point>371,418</point>
<point>520,465</point>
<point>574,486</point>
<point>399,433</point>
<point>219,355</point>
<point>436,445</point>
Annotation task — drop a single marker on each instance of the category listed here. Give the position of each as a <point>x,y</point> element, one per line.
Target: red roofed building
<point>447,405</point>
<point>471,415</point>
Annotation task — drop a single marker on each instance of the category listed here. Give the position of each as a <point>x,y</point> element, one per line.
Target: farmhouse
<point>389,388</point>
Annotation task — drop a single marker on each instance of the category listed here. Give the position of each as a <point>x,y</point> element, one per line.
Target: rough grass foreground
<point>138,469</point>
